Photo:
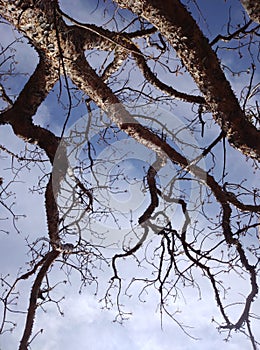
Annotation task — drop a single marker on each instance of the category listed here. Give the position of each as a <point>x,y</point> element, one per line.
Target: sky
<point>86,324</point>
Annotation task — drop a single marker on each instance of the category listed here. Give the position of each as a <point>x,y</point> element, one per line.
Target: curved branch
<point>20,115</point>
<point>110,40</point>
<point>129,252</point>
<point>88,81</point>
<point>169,90</point>
<point>50,257</point>
<point>152,171</point>
<point>180,29</point>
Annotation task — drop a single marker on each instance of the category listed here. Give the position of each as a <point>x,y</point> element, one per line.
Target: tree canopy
<point>131,144</point>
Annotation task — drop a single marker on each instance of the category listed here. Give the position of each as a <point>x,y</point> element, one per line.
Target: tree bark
<point>253,9</point>
<point>172,19</point>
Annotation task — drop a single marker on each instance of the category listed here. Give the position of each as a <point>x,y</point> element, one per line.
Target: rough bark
<point>253,9</point>
<point>180,29</point>
<point>49,259</point>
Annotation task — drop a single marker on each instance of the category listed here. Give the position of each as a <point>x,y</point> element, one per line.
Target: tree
<point>197,216</point>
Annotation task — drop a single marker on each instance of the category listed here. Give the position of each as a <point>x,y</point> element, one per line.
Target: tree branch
<point>50,257</point>
<point>177,25</point>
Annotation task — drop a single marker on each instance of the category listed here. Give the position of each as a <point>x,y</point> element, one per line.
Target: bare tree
<point>198,217</point>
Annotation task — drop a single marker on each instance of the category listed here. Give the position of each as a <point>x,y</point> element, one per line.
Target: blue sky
<point>85,324</point>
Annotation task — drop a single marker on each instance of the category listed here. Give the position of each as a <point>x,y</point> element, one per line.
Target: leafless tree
<point>123,74</point>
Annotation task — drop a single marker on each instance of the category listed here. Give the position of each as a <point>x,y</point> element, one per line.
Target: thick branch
<point>151,174</point>
<point>20,115</point>
<point>51,256</point>
<point>179,28</point>
<point>88,81</point>
<point>107,40</point>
